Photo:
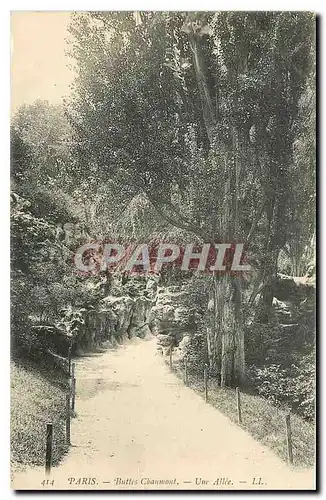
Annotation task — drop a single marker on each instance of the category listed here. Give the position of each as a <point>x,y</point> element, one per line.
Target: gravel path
<point>139,427</point>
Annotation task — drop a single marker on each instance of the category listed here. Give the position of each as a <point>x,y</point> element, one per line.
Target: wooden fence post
<point>73,386</point>
<point>289,438</point>
<point>48,449</point>
<point>205,382</point>
<point>68,419</point>
<point>186,370</point>
<point>69,360</point>
<point>237,393</point>
<point>73,394</point>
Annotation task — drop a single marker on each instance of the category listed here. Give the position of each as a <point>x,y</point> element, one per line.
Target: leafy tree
<point>173,102</point>
<point>302,233</point>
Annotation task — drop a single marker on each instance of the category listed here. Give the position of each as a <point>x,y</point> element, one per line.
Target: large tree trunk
<point>232,354</point>
<point>214,341</point>
<point>225,333</point>
<point>239,355</point>
<point>228,331</point>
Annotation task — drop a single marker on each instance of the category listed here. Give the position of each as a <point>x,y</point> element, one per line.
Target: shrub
<point>292,387</point>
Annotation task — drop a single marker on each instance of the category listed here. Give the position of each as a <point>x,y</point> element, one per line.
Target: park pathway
<point>138,426</point>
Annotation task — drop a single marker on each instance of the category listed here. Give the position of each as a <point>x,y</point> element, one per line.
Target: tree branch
<point>178,220</point>
<point>255,221</point>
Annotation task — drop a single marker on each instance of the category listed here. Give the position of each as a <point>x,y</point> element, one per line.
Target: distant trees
<point>43,280</point>
<point>300,247</point>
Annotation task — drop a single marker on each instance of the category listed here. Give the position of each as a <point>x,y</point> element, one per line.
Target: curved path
<point>139,427</point>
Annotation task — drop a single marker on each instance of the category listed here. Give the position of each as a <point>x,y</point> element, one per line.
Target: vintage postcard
<point>163,241</point>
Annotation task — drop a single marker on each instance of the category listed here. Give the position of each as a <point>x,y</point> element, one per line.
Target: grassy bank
<point>260,418</point>
<point>37,397</point>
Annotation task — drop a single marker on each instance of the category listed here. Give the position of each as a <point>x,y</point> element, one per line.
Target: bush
<point>305,386</point>
<point>293,387</point>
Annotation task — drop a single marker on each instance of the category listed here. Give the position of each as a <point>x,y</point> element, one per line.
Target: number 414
<point>47,482</point>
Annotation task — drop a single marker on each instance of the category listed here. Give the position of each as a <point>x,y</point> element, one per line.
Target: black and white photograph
<point>163,250</point>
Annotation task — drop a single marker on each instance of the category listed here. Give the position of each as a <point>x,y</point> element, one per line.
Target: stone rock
<point>140,318</point>
<point>164,340</point>
<point>122,307</point>
<point>151,288</point>
<point>169,318</point>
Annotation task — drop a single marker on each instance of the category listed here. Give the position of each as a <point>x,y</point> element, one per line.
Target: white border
<point>6,7</point>
<point>209,5</point>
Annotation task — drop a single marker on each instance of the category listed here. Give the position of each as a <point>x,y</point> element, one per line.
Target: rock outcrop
<point>294,303</point>
<point>170,320</point>
<point>116,318</point>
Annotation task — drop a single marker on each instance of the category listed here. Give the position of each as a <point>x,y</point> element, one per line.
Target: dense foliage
<point>189,127</point>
